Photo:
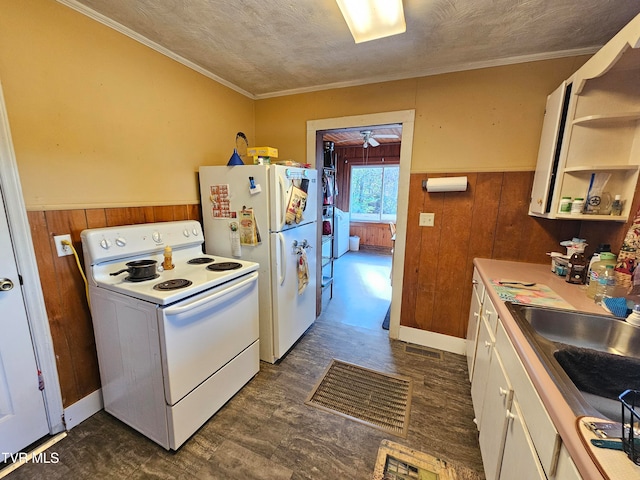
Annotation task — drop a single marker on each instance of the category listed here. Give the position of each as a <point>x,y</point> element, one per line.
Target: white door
<point>293,311</point>
<point>23,418</point>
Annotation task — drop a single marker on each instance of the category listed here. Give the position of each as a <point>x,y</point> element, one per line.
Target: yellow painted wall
<point>98,119</point>
<point>478,120</point>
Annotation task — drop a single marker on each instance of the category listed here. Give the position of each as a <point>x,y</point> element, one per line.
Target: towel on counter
<point>303,271</point>
<point>599,373</point>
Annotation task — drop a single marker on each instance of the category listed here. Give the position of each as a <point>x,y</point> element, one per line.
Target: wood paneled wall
<point>64,290</point>
<point>489,220</point>
<point>372,234</point>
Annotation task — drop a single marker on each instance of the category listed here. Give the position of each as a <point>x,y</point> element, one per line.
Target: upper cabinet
<point>590,144</point>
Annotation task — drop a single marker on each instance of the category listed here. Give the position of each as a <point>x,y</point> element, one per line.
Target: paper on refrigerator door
<point>296,205</point>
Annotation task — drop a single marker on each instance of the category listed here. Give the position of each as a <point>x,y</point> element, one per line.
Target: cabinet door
<point>519,459</point>
<point>474,322</point>
<point>566,468</point>
<point>494,417</point>
<point>548,152</point>
<point>481,369</point>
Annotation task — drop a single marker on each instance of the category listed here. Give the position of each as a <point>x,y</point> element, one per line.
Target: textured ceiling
<point>265,48</point>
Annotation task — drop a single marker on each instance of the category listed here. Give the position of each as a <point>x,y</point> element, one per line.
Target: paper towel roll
<point>446,184</point>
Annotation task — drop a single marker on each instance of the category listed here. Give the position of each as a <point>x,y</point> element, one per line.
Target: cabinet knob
<point>503,392</point>
<point>487,344</point>
<point>509,415</point>
<point>474,282</point>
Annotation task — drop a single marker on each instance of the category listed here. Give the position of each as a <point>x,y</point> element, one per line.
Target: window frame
<point>380,216</point>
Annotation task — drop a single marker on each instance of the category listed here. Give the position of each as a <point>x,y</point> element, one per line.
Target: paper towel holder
<point>445,184</point>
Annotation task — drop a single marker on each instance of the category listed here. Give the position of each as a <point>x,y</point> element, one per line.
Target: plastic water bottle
<point>606,285</point>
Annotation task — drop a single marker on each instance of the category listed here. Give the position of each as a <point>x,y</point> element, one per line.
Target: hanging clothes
<point>327,190</point>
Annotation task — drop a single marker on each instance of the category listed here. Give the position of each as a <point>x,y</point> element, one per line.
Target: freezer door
<point>293,311</point>
<point>285,182</point>
<point>237,182</point>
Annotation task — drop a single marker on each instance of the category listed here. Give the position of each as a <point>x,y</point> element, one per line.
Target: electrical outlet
<point>426,219</point>
<point>63,250</point>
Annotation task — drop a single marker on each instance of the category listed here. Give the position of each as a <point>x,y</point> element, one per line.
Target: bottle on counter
<point>597,270</point>
<point>167,264</point>
<point>577,269</point>
<point>606,285</point>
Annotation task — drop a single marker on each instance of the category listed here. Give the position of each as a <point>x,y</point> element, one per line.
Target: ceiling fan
<point>369,138</point>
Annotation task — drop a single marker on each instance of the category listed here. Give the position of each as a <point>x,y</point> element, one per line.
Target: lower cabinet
<point>474,322</point>
<point>482,363</point>
<point>517,437</point>
<point>498,397</point>
<point>519,459</point>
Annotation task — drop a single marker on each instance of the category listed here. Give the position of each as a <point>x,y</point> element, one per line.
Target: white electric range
<point>175,345</point>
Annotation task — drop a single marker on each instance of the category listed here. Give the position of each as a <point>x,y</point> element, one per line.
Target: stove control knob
<point>157,237</point>
<point>121,242</point>
<point>106,244</point>
<point>186,233</point>
<point>195,232</point>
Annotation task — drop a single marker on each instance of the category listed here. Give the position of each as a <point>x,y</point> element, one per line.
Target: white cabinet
<point>495,417</point>
<point>482,360</point>
<point>592,127</point>
<point>517,437</point>
<point>519,458</point>
<point>481,370</point>
<point>474,321</point>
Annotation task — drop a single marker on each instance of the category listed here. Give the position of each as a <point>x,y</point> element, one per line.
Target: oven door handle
<point>192,307</point>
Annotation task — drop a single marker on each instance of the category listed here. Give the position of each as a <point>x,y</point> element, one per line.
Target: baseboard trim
<point>83,409</point>
<point>433,340</point>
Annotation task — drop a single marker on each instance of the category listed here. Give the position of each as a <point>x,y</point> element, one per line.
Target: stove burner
<point>200,260</point>
<point>222,266</point>
<point>141,279</point>
<point>174,284</point>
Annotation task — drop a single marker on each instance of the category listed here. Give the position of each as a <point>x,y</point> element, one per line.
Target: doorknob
<point>5,284</point>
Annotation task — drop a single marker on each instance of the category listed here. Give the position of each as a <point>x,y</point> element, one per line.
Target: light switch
<point>426,219</point>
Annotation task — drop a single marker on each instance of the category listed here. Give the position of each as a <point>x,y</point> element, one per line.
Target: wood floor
<point>267,432</point>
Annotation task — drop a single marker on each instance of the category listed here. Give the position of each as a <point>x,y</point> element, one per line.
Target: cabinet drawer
<point>538,423</point>
<point>478,286</point>
<point>490,314</point>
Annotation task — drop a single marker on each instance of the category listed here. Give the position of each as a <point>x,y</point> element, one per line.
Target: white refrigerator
<point>267,214</point>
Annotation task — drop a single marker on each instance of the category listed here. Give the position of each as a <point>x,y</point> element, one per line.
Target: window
<point>374,193</point>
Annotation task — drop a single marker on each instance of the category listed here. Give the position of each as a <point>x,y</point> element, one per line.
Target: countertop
<point>561,414</point>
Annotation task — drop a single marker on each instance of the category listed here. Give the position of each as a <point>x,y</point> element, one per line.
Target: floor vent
<point>376,399</point>
<point>424,351</point>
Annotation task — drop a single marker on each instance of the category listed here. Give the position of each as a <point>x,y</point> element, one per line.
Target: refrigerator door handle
<point>281,203</point>
<point>283,260</point>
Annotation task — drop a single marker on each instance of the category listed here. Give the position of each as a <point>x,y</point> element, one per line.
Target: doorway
<point>405,119</point>
<point>28,343</point>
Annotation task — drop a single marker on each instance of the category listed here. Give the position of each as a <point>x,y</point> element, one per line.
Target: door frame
<point>11,190</point>
<point>407,119</point>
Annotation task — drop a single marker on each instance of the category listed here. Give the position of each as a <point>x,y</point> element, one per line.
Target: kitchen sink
<point>591,358</point>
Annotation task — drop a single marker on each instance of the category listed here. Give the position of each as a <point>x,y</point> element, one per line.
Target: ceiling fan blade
<point>373,142</point>
<point>386,136</point>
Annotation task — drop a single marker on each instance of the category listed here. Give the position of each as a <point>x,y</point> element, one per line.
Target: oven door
<point>201,334</point>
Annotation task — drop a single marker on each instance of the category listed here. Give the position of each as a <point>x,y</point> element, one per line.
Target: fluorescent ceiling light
<point>372,19</point>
